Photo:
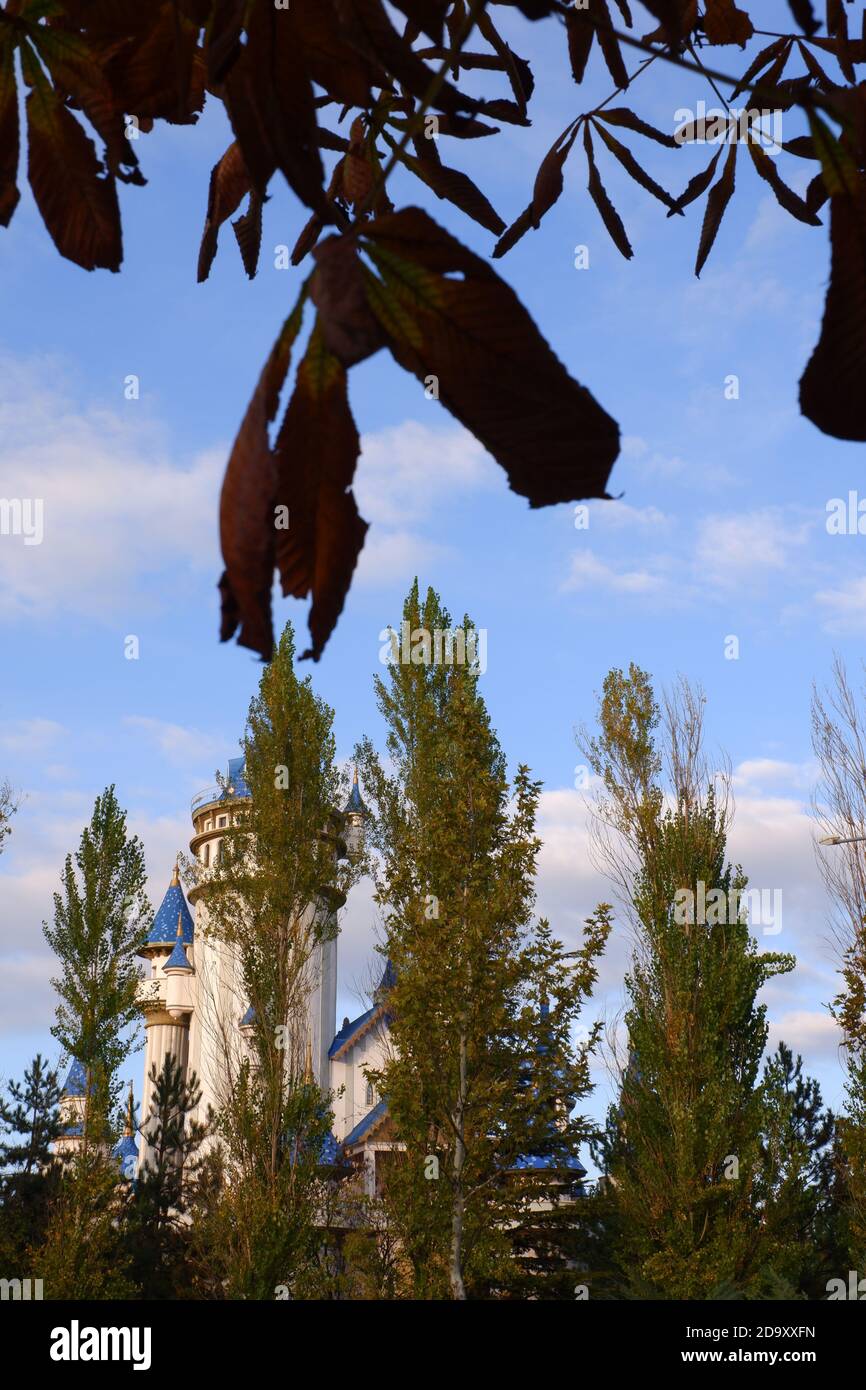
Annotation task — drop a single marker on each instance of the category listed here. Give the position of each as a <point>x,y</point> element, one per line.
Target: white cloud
<point>756,774</point>
<point>734,549</point>
<point>810,1032</point>
<point>406,471</point>
<point>586,571</point>
<point>29,736</point>
<point>844,607</point>
<point>116,507</point>
<point>391,556</point>
<point>178,744</point>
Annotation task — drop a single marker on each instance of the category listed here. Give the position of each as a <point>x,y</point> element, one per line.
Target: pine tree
<point>268,901</point>
<point>482,1075</point>
<point>100,919</point>
<point>683,1151</point>
<point>157,1228</point>
<point>798,1191</point>
<point>32,1112</point>
<point>30,1123</point>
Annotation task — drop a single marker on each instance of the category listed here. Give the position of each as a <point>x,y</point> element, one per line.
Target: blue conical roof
<point>354,803</point>
<point>164,929</point>
<point>178,958</point>
<point>76,1081</point>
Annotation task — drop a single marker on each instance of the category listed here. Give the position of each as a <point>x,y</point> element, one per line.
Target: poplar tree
<point>839,741</point>
<point>268,901</point>
<point>684,1142</point>
<point>481,1074</point>
<point>100,923</point>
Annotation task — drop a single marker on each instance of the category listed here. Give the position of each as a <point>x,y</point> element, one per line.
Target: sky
<point>718,530</point>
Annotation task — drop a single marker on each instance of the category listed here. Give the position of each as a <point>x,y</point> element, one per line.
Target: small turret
<point>126,1151</point>
<point>354,811</point>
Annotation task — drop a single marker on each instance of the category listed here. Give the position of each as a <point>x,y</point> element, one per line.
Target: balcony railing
<point>149,993</point>
<point>229,793</point>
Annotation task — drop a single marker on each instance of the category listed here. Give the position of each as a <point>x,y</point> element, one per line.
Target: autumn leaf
<point>831,387</point>
<point>161,73</point>
<point>631,166</point>
<point>621,116</point>
<point>9,137</point>
<point>724,23</point>
<point>597,191</point>
<point>696,185</point>
<point>786,197</point>
<point>719,197</point>
<point>76,197</point>
<point>247,515</point>
<point>229,185</point>
<point>248,233</point>
<point>316,453</point>
<point>831,394</point>
<point>580,35</point>
<point>346,323</point>
<point>804,15</point>
<point>495,372</point>
<point>272,109</point>
<point>547,190</point>
<point>452,185</point>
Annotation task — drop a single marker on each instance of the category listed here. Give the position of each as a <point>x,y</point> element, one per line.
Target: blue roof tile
<point>164,929</point>
<point>76,1081</point>
<point>370,1120</point>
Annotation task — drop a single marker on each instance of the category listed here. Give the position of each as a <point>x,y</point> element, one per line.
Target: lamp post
<point>842,839</point>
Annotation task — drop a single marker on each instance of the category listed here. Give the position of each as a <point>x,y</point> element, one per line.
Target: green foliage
<point>683,1149</point>
<point>157,1230</point>
<point>482,1070</point>
<point>271,898</point>
<point>83,1254</point>
<point>100,924</point>
<point>30,1123</point>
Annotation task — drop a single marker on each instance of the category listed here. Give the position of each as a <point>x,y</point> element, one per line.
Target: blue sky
<point>720,530</point>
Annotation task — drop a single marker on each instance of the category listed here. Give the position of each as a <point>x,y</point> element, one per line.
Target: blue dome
<point>164,929</point>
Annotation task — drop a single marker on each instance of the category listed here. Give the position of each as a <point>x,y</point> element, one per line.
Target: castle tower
<point>166,996</point>
<point>222,1017</point>
<point>354,812</point>
<point>72,1110</point>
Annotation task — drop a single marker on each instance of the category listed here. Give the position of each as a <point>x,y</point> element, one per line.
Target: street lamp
<point>842,839</point>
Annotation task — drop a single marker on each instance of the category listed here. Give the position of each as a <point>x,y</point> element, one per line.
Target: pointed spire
<point>308,1064</point>
<point>179,924</point>
<point>129,1128</point>
<point>175,874</point>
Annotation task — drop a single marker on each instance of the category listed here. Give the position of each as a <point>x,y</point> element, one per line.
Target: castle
<point>194,1009</point>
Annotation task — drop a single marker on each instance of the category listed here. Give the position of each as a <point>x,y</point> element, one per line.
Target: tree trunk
<point>456,1272</point>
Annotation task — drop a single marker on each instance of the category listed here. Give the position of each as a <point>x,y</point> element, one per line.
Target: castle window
<point>370,1093</point>
<point>205,855</point>
<point>222,820</point>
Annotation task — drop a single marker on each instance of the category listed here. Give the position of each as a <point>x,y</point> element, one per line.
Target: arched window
<point>369,1093</point>
<point>205,855</point>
